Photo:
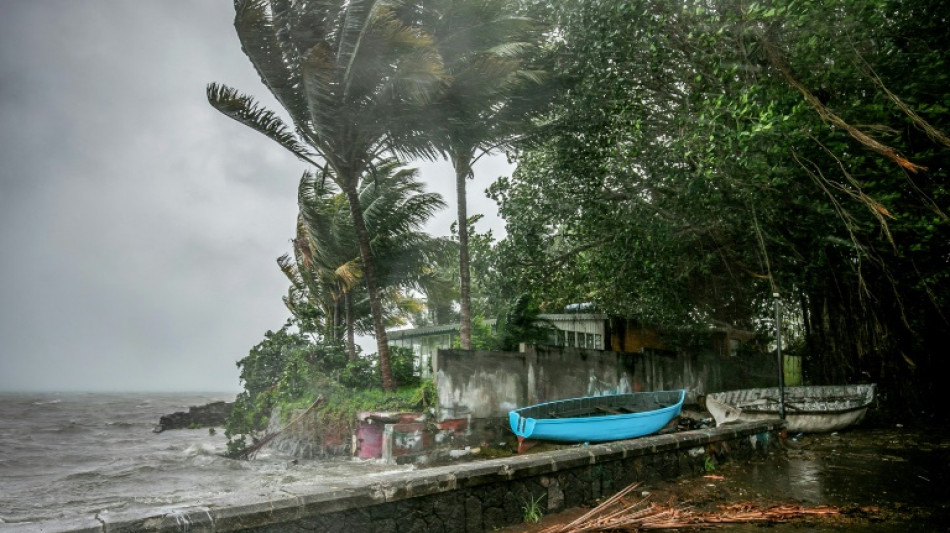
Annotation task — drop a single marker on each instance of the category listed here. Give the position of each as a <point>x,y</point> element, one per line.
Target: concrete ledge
<point>470,497</point>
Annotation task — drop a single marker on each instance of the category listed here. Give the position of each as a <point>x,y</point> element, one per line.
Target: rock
<point>210,415</point>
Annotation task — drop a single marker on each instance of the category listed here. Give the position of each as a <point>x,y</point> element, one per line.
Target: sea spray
<point>109,459</point>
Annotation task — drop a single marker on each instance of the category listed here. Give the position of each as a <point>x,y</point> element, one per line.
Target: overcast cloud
<point>139,226</point>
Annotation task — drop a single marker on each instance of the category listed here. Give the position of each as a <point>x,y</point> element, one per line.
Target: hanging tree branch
<point>826,114</point>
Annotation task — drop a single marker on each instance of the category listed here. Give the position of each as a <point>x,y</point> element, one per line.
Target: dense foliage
<point>691,159</point>
<point>289,370</point>
<point>701,155</point>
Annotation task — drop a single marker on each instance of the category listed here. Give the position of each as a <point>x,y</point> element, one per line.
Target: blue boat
<point>597,418</point>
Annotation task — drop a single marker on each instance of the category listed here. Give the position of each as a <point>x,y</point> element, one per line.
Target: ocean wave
<point>201,449</point>
<point>47,402</point>
<point>97,453</point>
<point>69,427</point>
<point>84,475</point>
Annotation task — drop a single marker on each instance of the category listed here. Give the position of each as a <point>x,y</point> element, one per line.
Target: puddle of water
<point>903,474</point>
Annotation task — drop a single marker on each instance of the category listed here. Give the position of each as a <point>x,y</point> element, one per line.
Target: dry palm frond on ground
<point>621,514</point>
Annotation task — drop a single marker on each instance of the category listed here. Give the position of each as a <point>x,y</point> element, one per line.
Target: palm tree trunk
<point>336,329</point>
<point>369,275</point>
<point>350,337</point>
<point>463,170</point>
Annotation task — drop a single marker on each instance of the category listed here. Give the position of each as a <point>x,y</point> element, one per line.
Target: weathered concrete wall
<point>489,384</point>
<point>470,497</point>
<point>480,384</point>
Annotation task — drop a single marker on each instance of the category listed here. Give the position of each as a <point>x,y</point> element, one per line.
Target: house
<point>424,342</point>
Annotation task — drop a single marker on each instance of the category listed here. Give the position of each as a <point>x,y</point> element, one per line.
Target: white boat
<point>812,409</point>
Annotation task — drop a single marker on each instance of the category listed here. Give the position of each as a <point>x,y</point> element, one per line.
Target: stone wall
<point>470,497</point>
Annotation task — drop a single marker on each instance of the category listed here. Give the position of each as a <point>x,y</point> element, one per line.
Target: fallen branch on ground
<point>251,451</point>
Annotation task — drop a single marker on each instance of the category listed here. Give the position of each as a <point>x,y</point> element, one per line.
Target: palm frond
<point>247,111</point>
<point>321,84</point>
<point>349,274</point>
<point>262,29</point>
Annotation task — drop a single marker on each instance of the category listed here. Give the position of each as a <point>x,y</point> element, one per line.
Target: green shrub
<point>289,370</point>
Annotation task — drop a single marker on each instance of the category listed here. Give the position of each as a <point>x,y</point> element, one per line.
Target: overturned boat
<point>812,409</point>
<point>597,418</point>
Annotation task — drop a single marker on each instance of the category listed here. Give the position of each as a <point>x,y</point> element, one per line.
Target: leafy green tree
<point>274,369</point>
<point>349,73</point>
<point>521,324</point>
<point>702,155</point>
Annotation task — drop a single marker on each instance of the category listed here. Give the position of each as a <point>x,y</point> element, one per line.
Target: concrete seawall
<point>466,497</point>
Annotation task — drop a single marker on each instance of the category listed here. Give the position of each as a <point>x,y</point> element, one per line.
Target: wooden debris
<point>251,451</point>
<point>619,514</point>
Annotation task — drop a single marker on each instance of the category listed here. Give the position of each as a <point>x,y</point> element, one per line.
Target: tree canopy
<point>701,155</point>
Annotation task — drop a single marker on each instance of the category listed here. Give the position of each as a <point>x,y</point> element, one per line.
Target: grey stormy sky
<point>138,226</point>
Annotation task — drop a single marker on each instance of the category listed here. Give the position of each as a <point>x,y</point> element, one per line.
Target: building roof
<point>573,317</point>
<point>427,330</point>
<point>454,328</point>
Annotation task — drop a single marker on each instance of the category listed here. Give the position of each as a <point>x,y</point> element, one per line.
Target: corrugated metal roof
<point>454,328</point>
<point>428,330</point>
<point>573,317</point>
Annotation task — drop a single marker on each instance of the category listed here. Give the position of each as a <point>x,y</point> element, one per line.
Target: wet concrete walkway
<point>887,478</point>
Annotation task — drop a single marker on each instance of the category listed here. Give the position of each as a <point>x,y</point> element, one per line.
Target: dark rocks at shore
<point>209,415</point>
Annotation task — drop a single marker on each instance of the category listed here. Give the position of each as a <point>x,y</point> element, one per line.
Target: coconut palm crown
<point>326,270</point>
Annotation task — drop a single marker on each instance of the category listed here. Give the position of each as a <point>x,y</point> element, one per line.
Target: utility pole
<point>781,360</point>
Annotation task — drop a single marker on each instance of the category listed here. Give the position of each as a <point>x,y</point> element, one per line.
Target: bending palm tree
<point>346,71</point>
<point>483,44</point>
<point>327,269</point>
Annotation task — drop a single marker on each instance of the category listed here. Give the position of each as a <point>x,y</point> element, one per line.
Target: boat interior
<point>618,404</point>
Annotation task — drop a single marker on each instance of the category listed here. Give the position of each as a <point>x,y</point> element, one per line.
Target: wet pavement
<point>884,478</point>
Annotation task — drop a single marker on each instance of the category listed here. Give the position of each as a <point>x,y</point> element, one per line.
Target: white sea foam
<point>200,448</point>
<point>48,402</point>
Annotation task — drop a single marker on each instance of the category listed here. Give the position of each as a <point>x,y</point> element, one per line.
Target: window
<point>733,347</point>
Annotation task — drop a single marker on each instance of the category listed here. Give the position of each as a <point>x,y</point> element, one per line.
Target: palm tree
<point>327,270</point>
<point>483,45</point>
<point>346,71</point>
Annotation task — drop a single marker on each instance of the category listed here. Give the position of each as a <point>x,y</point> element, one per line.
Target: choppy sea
<point>69,455</point>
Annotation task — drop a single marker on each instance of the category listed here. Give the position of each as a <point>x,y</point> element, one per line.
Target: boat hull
<point>653,410</point>
<point>814,409</point>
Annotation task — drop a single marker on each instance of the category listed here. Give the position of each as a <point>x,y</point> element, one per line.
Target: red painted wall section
<point>372,425</point>
<point>454,425</point>
<point>369,440</point>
